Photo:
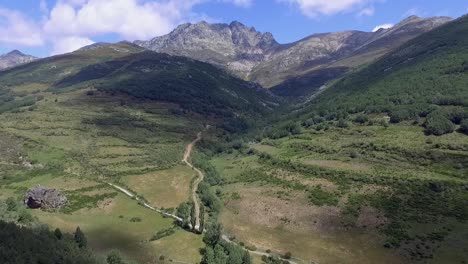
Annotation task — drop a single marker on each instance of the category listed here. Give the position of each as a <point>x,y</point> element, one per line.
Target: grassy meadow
<point>77,142</point>
<point>367,193</point>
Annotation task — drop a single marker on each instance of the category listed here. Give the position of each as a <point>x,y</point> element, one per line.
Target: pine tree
<point>58,234</point>
<point>193,217</point>
<point>80,238</point>
<point>202,218</point>
<point>213,234</point>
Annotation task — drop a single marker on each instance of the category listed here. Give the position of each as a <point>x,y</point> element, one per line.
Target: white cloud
<point>384,26</point>
<point>81,20</point>
<point>70,24</point>
<point>43,6</point>
<point>415,11</point>
<point>68,44</point>
<point>242,3</point>
<point>131,19</point>
<point>314,8</point>
<point>16,29</point>
<point>368,11</point>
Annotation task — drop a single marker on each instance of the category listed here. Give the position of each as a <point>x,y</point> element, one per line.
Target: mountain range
<point>296,68</point>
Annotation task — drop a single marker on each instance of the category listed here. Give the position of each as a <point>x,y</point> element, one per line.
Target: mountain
<point>428,74</point>
<point>234,46</point>
<point>14,58</point>
<point>125,68</point>
<point>258,57</point>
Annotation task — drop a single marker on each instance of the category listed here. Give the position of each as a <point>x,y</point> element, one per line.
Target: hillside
<point>195,86</point>
<point>374,167</point>
<point>113,113</point>
<point>292,69</point>
<point>14,58</point>
<point>424,76</point>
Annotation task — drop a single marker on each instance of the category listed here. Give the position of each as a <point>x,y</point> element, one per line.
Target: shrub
<point>114,258</point>
<point>438,124</point>
<point>163,233</point>
<point>342,123</point>
<point>135,219</point>
<point>464,126</point>
<point>320,197</point>
<point>361,119</point>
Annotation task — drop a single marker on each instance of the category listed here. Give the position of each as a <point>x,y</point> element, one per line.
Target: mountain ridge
<point>258,57</point>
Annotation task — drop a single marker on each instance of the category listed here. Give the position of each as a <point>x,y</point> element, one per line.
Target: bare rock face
<point>14,58</point>
<point>257,57</point>
<point>44,198</point>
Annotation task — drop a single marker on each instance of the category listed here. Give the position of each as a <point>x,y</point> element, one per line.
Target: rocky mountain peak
<point>14,58</point>
<point>15,53</point>
<point>257,56</point>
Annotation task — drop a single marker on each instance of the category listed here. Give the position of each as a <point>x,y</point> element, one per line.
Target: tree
<point>220,255</point>
<point>80,238</point>
<point>464,126</point>
<point>246,259</point>
<point>342,124</point>
<point>208,257</point>
<point>58,234</point>
<point>114,258</point>
<point>183,211</point>
<point>193,217</point>
<point>438,124</point>
<point>202,218</point>
<point>213,234</point>
<point>361,119</point>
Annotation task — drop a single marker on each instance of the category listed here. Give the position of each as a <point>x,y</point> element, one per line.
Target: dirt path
<point>131,195</point>
<point>201,176</point>
<point>187,154</point>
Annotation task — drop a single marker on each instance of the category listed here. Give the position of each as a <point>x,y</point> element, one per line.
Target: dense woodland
<point>39,245</point>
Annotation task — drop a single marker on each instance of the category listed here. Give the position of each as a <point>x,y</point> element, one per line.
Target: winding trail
<point>201,176</point>
<point>131,195</point>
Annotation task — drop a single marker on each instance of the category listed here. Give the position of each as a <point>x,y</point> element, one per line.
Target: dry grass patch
<point>165,188</point>
<point>338,165</point>
<point>266,207</point>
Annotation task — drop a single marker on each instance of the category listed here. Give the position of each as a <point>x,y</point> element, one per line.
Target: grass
<point>165,188</point>
<point>76,142</point>
<point>335,247</point>
<point>364,181</point>
<point>107,230</point>
<point>181,246</point>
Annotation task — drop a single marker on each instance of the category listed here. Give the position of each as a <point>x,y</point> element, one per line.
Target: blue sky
<point>46,27</point>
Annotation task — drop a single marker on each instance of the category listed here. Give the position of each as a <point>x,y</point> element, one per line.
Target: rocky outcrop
<point>258,57</point>
<point>14,58</point>
<point>44,198</point>
<point>234,46</point>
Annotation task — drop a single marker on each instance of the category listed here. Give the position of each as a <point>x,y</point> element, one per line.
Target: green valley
<point>167,159</point>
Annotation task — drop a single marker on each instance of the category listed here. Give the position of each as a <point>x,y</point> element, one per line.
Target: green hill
<point>429,74</point>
